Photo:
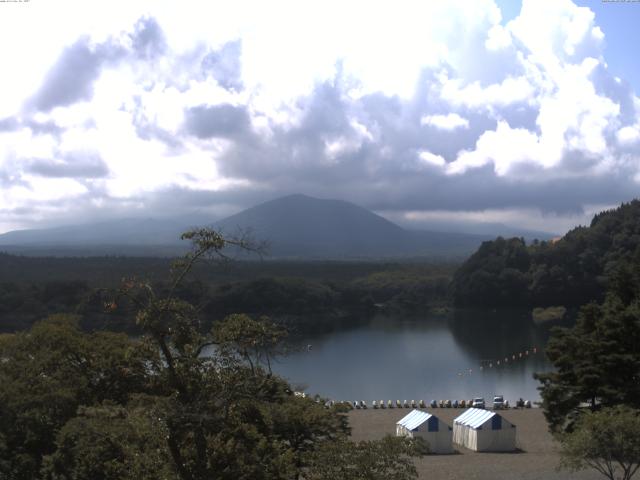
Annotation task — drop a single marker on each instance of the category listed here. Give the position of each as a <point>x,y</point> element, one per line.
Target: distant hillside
<point>295,227</point>
<point>129,236</point>
<point>301,226</point>
<point>570,272</point>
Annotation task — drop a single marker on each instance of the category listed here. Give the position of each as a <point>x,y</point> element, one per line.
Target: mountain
<point>129,236</point>
<point>298,225</point>
<point>492,229</point>
<point>302,226</point>
<point>295,226</point>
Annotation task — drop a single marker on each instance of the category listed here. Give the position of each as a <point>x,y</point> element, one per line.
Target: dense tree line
<point>107,406</point>
<point>571,271</point>
<point>592,397</point>
<point>311,303</point>
<point>597,361</point>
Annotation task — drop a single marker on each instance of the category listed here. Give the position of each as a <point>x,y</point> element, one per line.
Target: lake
<point>425,358</point>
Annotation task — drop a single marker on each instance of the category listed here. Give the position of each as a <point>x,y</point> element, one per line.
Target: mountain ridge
<point>296,226</point>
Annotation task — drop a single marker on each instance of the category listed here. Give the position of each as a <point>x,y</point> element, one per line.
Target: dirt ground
<point>536,458</point>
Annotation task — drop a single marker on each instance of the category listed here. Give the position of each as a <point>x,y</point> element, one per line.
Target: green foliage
<point>597,362</point>
<point>305,296</point>
<point>253,341</point>
<point>46,374</point>
<point>607,441</point>
<point>412,289</point>
<point>571,271</point>
<point>274,296</point>
<point>495,275</point>
<point>110,442</point>
<point>388,459</point>
<point>549,314</point>
<point>104,406</point>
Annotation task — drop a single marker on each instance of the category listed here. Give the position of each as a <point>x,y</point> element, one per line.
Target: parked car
<point>478,402</point>
<point>498,402</point>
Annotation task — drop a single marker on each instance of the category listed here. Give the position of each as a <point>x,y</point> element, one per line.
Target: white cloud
<point>554,31</point>
<point>432,159</point>
<point>420,96</point>
<point>511,90</point>
<point>629,135</point>
<point>451,121</point>
<point>498,38</point>
<point>503,147</point>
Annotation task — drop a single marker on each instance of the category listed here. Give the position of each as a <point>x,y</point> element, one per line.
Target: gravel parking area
<point>536,459</point>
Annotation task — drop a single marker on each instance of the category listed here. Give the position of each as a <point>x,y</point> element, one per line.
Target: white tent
<point>484,431</point>
<point>422,424</point>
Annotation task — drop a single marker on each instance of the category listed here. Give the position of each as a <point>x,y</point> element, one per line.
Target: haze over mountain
<point>295,226</point>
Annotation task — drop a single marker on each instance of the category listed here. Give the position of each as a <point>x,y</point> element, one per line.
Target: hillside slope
<point>295,227</point>
<point>570,272</point>
<point>302,226</point>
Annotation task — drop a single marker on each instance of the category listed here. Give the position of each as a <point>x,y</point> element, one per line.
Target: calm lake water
<point>427,358</point>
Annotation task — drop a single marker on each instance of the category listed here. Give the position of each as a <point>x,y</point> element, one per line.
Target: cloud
<point>9,124</point>
<point>224,65</point>
<point>70,165</point>
<point>148,40</point>
<point>515,117</point>
<point>629,135</point>
<point>71,79</point>
<point>217,121</point>
<point>450,121</point>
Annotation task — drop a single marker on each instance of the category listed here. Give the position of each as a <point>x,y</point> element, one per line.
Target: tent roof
<point>474,417</point>
<point>414,419</point>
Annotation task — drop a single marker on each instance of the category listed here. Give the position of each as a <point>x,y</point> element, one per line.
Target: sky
<point>525,113</point>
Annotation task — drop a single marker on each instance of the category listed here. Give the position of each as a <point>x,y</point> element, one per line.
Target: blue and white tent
<point>484,431</point>
<point>437,434</point>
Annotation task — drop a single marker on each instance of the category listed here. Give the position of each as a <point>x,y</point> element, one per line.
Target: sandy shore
<point>537,457</point>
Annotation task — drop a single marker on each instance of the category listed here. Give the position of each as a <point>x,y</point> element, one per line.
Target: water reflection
<point>427,358</point>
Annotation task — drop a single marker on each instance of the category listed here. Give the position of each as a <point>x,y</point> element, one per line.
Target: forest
<point>306,296</point>
<point>571,271</point>
<point>84,398</point>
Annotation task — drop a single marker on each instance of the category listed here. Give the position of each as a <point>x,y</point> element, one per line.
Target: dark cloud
<point>148,39</point>
<point>43,128</point>
<point>381,168</point>
<point>71,78</point>
<point>146,129</point>
<point>11,176</point>
<point>13,124</point>
<point>224,65</point>
<point>72,165</point>
<point>217,121</point>
<point>9,124</point>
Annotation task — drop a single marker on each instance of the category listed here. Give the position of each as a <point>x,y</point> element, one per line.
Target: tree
<point>254,341</point>
<point>105,406</point>
<point>110,442</point>
<point>607,441</point>
<point>388,459</point>
<point>597,362</point>
<point>46,374</point>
